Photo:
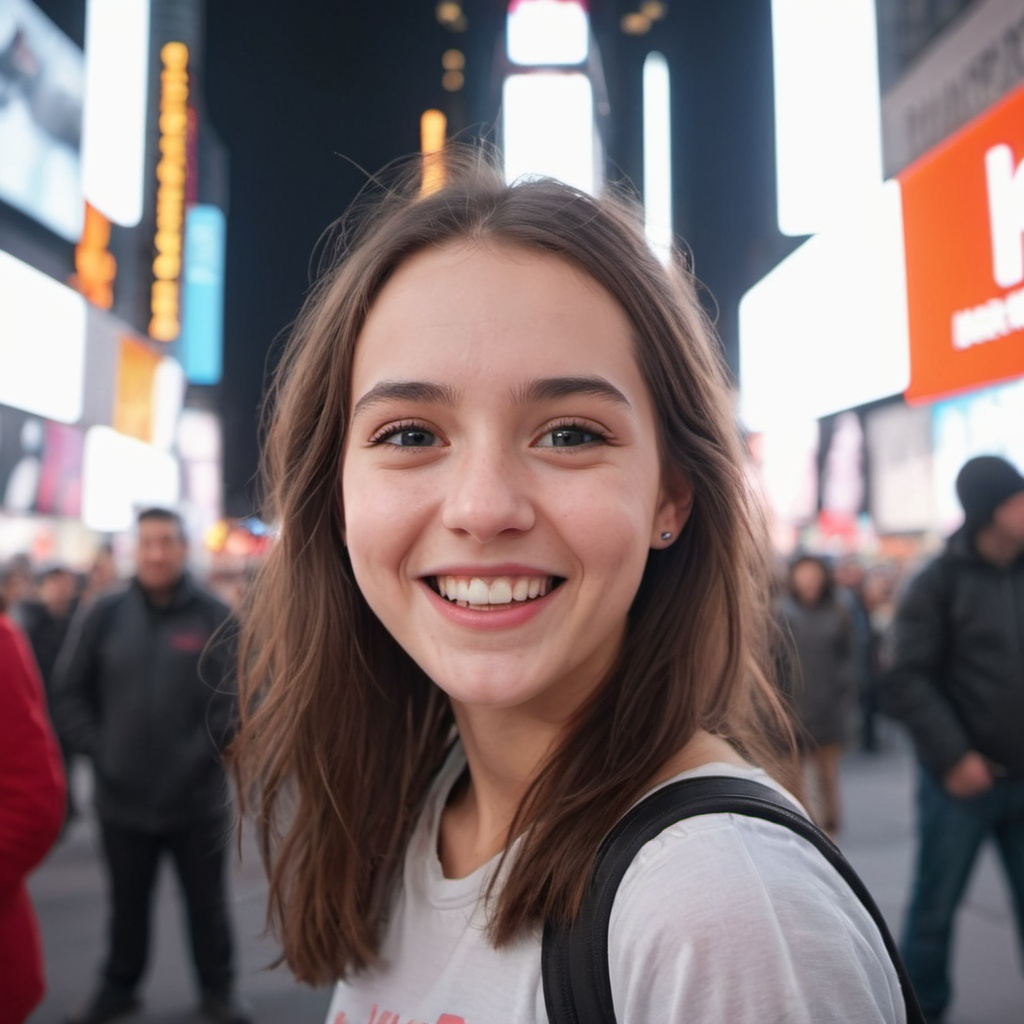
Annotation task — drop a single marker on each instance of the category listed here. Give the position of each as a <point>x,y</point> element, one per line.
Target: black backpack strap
<point>577,986</point>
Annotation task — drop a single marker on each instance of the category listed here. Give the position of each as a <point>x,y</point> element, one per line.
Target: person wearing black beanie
<point>957,684</point>
<point>984,486</point>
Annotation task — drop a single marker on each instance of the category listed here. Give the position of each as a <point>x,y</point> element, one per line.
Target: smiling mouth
<point>493,591</point>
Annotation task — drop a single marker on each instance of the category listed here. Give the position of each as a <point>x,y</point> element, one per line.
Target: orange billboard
<point>133,401</point>
<point>963,223</point>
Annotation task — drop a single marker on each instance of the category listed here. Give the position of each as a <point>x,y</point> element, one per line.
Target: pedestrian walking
<point>957,684</point>
<point>31,812</point>
<point>46,620</point>
<point>851,588</point>
<point>518,586</point>
<point>143,691</point>
<point>823,647</point>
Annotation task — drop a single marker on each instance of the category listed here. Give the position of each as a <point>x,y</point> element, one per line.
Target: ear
<point>674,506</point>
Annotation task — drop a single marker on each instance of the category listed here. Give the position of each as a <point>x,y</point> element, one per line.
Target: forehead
<point>1014,503</point>
<point>158,529</point>
<point>807,567</point>
<point>496,308</point>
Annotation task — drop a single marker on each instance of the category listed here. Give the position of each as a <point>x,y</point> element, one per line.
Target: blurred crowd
<point>836,614</point>
<point>835,617</point>
<point>135,677</point>
<point>927,644</point>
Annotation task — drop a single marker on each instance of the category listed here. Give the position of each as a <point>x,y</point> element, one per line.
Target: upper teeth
<point>494,590</point>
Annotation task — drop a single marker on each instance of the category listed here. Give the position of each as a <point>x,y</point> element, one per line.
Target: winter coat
<point>957,676</point>
<point>32,794</point>
<point>46,633</point>
<point>143,691</point>
<point>824,687</point>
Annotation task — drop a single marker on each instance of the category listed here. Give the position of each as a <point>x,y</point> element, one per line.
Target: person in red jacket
<point>32,794</point>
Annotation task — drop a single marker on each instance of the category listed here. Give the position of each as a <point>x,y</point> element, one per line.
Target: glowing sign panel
<point>165,301</point>
<point>963,220</point>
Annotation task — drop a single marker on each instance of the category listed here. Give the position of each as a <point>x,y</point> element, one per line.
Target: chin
<point>487,689</point>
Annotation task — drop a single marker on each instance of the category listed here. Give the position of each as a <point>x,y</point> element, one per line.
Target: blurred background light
<point>453,60</point>
<point>201,344</point>
<point>658,156</point>
<point>548,128</point>
<point>42,342</point>
<point>169,386</point>
<point>827,112</point>
<point>114,118</point>
<point>450,14</point>
<point>121,475</point>
<point>635,24</point>
<point>433,133</point>
<point>827,328</point>
<point>453,81</point>
<point>547,32</point>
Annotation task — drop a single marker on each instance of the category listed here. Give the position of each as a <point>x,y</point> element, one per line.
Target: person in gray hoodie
<point>820,632</point>
<point>957,684</point>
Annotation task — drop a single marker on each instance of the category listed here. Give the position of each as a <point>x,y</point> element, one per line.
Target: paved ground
<point>68,893</point>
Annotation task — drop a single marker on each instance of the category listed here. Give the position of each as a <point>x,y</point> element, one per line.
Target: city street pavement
<point>877,838</point>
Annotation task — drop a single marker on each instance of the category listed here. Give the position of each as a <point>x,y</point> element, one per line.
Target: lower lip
<point>508,616</point>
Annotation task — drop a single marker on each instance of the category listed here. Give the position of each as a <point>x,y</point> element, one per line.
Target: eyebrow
<point>548,388</point>
<point>407,391</point>
<point>543,389</point>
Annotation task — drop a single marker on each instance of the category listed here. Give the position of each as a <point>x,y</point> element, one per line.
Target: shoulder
<point>30,614</point>
<point>110,599</point>
<point>18,670</point>
<point>932,581</point>
<point>11,640</point>
<point>102,611</point>
<point>734,918</point>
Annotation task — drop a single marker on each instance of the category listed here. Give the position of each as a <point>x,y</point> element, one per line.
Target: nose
<point>487,495</point>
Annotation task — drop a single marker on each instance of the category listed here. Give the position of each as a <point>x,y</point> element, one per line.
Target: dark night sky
<point>300,92</point>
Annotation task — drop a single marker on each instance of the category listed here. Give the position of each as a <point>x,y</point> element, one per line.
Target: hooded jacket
<point>957,679</point>
<point>143,691</point>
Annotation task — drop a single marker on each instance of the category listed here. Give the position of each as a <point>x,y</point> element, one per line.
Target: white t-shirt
<point>721,919</point>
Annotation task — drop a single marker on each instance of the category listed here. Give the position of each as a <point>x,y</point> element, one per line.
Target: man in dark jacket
<point>143,691</point>
<point>957,683</point>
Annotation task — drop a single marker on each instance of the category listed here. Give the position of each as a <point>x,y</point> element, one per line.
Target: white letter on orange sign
<point>1006,215</point>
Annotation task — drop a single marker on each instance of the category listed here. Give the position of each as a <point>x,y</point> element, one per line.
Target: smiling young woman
<point>520,581</point>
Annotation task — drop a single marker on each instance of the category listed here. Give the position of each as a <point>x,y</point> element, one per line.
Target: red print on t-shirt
<point>379,1016</point>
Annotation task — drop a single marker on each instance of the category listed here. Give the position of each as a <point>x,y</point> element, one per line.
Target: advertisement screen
<point>41,78</point>
<point>40,465</point>
<point>963,208</point>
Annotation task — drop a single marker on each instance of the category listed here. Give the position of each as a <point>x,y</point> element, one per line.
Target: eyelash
<point>381,436</point>
<point>384,433</point>
<point>583,428</point>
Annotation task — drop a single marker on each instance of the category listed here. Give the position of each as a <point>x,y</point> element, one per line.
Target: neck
<point>161,596</point>
<point>995,547</point>
<point>504,751</point>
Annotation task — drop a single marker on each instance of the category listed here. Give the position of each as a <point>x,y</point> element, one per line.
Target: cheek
<point>612,523</point>
<point>381,512</point>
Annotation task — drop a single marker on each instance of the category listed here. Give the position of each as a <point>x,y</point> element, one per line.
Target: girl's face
<point>501,477</point>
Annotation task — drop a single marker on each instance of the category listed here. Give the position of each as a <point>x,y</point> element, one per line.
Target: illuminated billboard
<point>41,84</point>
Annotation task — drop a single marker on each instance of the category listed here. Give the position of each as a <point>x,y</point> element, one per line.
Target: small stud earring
<point>666,535</point>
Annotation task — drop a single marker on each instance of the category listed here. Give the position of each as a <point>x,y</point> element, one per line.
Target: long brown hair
<point>341,731</point>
